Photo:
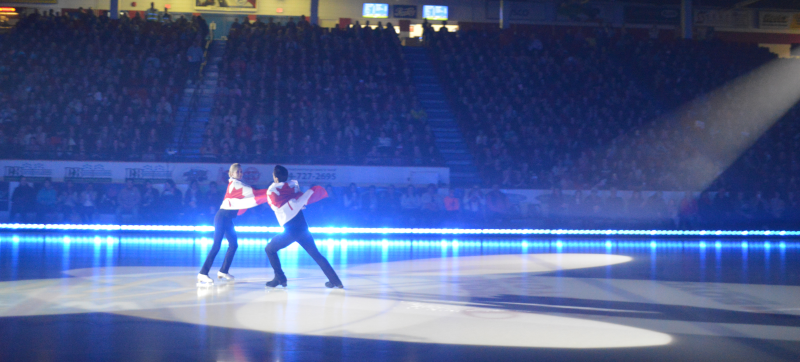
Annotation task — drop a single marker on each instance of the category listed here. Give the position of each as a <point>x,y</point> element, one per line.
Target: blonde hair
<point>235,168</point>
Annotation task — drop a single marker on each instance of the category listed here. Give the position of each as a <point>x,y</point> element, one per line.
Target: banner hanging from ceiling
<point>226,5</point>
<point>775,20</point>
<point>522,12</point>
<point>404,11</point>
<point>642,14</point>
<point>740,19</point>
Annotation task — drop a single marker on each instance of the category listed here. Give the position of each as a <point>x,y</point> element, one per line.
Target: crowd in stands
<point>696,77</point>
<point>148,203</point>
<point>590,108</point>
<point>721,210</point>
<point>79,86</point>
<point>585,110</point>
<point>411,206</point>
<point>300,94</point>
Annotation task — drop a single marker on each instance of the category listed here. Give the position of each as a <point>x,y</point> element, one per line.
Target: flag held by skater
<point>286,200</point>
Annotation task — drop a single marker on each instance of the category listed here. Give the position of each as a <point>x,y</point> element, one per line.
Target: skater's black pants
<point>223,226</point>
<point>304,238</point>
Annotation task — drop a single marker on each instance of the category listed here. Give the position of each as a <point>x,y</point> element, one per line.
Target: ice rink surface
<point>134,297</point>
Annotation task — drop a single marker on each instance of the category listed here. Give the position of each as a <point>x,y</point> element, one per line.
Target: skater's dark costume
<point>223,226</point>
<point>238,198</point>
<point>296,229</point>
<point>286,200</point>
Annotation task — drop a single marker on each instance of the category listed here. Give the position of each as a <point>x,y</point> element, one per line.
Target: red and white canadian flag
<point>284,198</point>
<point>240,196</point>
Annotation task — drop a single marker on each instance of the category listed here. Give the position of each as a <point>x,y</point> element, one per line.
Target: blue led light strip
<point>558,245</point>
<point>402,231</point>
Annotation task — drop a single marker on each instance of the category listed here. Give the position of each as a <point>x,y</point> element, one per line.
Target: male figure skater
<point>238,198</point>
<point>287,201</point>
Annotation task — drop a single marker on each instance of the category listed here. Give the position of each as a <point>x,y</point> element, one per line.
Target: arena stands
<point>536,108</point>
<point>83,87</point>
<point>679,72</point>
<point>302,94</point>
<point>584,109</point>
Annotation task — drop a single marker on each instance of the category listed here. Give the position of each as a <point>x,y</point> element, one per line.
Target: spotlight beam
<point>726,122</point>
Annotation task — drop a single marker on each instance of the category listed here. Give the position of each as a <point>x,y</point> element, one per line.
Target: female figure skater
<point>287,201</point>
<point>238,198</point>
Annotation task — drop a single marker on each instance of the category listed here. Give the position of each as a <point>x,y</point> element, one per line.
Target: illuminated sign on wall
<point>372,10</point>
<point>434,12</point>
<point>404,11</point>
<point>226,5</point>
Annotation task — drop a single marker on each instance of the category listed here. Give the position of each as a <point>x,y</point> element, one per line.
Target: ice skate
<point>279,279</point>
<point>204,281</point>
<point>225,276</point>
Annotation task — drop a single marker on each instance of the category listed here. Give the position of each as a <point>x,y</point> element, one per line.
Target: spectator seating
<point>89,88</point>
<point>578,110</point>
<point>301,94</point>
<point>413,206</point>
<point>581,111</point>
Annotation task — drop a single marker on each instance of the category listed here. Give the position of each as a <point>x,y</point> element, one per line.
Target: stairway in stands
<point>196,106</point>
<point>449,139</point>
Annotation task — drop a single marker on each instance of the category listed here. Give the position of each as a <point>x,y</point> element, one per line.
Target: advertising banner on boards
<point>5,198</point>
<point>32,170</point>
<point>184,173</point>
<point>88,173</point>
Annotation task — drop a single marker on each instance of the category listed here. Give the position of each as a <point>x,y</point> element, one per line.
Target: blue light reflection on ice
<point>783,262</point>
<point>702,253</point>
<point>405,231</point>
<point>18,253</point>
<point>442,244</point>
<point>192,250</point>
